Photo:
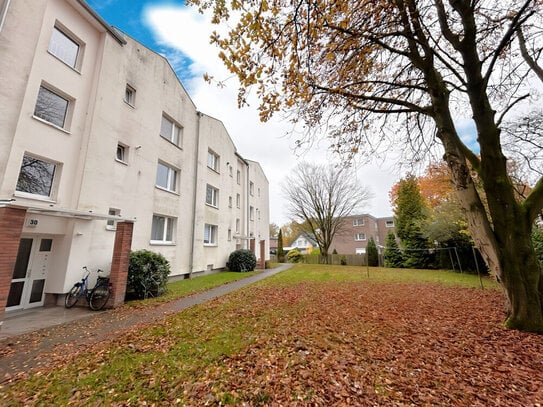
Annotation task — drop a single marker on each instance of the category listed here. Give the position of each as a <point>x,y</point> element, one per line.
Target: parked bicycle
<point>96,297</point>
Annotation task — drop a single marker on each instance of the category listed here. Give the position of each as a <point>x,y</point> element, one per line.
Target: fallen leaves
<point>310,343</point>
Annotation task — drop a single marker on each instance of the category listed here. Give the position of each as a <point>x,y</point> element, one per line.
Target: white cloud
<point>185,30</point>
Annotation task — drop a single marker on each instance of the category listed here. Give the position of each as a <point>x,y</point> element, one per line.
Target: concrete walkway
<point>32,339</point>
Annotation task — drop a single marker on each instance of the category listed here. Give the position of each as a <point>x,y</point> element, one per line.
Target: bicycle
<point>97,296</point>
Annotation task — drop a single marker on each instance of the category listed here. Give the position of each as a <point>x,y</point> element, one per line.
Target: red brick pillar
<point>11,226</point>
<point>262,254</point>
<point>119,263</point>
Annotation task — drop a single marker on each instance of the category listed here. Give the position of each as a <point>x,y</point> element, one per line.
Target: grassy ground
<point>313,335</point>
<point>183,288</point>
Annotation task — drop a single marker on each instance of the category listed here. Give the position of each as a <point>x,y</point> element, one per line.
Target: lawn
<point>313,335</point>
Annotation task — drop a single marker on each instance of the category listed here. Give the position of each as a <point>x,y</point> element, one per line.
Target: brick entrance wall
<point>11,226</point>
<point>262,263</point>
<point>119,263</point>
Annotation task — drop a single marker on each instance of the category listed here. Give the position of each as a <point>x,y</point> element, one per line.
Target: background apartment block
<point>96,131</point>
<point>357,230</point>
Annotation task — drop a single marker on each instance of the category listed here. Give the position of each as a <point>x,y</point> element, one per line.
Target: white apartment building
<point>99,140</point>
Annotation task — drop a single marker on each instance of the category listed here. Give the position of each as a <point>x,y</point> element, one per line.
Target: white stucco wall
<point>89,179</point>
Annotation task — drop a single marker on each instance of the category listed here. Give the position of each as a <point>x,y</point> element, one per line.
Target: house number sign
<point>33,222</point>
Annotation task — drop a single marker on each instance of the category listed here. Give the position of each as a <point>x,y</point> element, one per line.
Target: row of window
<point>163,230</point>
<point>360,222</point>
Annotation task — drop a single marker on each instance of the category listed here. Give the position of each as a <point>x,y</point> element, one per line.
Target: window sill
<point>73,68</point>
<point>50,124</point>
<point>111,228</point>
<point>129,104</point>
<point>161,243</point>
<point>212,206</point>
<point>36,197</point>
<point>121,162</point>
<point>171,142</point>
<point>211,245</point>
<point>166,190</point>
<point>214,170</point>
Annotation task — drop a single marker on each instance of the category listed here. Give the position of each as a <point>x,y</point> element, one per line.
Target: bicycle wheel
<point>72,297</point>
<point>99,297</point>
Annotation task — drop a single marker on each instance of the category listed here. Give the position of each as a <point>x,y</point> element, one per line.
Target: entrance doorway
<point>29,273</point>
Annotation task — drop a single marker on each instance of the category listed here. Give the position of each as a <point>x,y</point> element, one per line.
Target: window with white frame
<point>210,234</point>
<point>212,196</point>
<point>213,160</point>
<point>389,224</point>
<point>360,250</point>
<point>162,229</point>
<point>251,188</point>
<point>238,200</point>
<point>37,176</point>
<point>251,213</point>
<point>359,236</point>
<point>122,153</point>
<point>231,171</point>
<point>237,225</point>
<point>166,177</point>
<point>229,234</point>
<point>358,222</point>
<point>65,47</point>
<point>238,177</point>
<point>130,95</point>
<point>52,107</point>
<point>171,131</point>
<point>111,224</point>
<point>229,201</point>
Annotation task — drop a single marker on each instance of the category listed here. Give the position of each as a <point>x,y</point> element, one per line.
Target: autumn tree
<point>400,72</point>
<point>320,196</point>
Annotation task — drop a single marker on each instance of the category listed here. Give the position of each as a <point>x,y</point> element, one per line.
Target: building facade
<point>357,230</point>
<point>96,132</point>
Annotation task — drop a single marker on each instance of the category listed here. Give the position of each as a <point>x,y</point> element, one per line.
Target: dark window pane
<point>51,107</point>
<point>37,290</point>
<point>36,176</point>
<point>15,294</point>
<point>23,255</point>
<point>45,245</point>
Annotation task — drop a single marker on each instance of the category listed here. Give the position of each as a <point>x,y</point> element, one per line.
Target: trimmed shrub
<point>147,274</point>
<point>242,260</point>
<point>294,256</point>
<point>343,260</point>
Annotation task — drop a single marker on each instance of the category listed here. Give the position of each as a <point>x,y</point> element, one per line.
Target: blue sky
<point>130,17</point>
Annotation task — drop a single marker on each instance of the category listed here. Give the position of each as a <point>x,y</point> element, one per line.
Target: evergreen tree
<point>373,254</point>
<point>393,256</point>
<point>280,254</point>
<point>410,216</point>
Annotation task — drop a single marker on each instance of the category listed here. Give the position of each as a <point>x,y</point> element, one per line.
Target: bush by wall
<point>147,274</point>
<point>242,260</point>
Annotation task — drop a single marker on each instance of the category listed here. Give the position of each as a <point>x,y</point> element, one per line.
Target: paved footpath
<point>37,349</point>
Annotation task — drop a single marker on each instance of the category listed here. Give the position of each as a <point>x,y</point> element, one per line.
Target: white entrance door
<point>29,273</point>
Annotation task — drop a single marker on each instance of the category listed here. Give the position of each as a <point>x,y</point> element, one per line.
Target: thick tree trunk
<point>506,247</point>
<point>522,282</point>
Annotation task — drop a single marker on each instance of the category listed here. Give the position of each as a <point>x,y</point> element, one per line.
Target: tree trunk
<point>522,281</point>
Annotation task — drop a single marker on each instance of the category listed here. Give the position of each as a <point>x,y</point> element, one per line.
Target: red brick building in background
<point>357,231</point>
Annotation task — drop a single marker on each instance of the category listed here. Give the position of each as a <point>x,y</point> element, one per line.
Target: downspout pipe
<point>194,195</point>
